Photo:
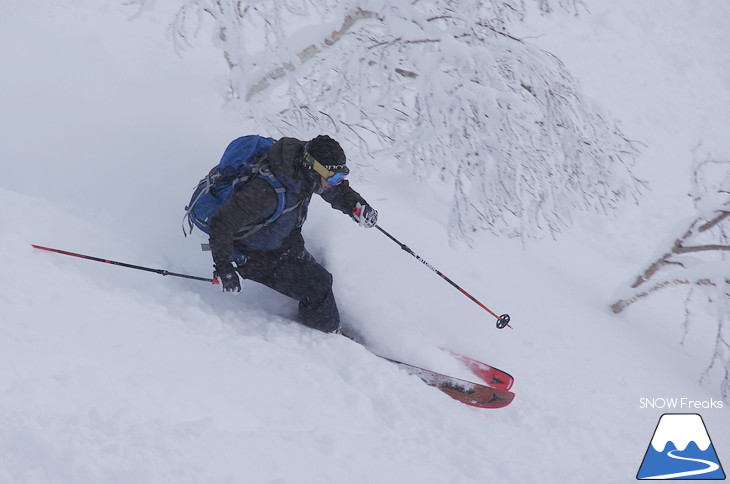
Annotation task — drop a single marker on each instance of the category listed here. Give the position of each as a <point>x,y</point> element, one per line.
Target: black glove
<point>365,215</point>
<point>229,279</point>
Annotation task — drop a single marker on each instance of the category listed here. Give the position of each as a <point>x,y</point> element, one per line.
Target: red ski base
<point>494,393</point>
<point>493,377</point>
<point>470,393</point>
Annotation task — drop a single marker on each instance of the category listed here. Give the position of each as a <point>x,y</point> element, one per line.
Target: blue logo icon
<point>681,449</point>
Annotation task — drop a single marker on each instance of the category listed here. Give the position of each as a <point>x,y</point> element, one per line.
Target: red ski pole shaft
<point>502,321</point>
<point>162,272</point>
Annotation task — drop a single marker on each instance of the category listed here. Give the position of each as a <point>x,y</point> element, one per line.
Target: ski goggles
<point>333,174</point>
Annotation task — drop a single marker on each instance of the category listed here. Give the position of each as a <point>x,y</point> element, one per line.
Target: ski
<point>491,376</point>
<point>473,394</point>
<point>470,393</point>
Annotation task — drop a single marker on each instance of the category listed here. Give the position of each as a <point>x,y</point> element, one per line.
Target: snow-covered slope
<point>112,375</point>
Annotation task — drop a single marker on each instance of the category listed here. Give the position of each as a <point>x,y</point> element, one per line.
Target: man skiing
<point>273,253</point>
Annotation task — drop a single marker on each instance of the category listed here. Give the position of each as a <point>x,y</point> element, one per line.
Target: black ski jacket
<point>257,199</point>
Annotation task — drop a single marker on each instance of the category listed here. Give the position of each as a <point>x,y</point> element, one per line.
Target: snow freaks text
<point>682,403</point>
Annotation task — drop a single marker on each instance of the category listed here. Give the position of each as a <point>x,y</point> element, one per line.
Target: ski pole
<point>130,266</point>
<point>502,321</point>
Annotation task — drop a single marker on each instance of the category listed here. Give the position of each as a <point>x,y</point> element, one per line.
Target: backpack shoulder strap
<point>265,173</point>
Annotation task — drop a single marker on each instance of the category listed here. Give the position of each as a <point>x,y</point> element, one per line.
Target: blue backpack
<point>243,159</point>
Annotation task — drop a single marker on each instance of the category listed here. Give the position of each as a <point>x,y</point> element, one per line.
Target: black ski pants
<point>296,274</point>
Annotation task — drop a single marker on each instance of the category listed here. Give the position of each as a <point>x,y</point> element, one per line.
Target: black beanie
<point>326,150</point>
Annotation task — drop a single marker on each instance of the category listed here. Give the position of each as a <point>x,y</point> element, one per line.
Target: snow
<point>117,376</point>
<point>689,428</point>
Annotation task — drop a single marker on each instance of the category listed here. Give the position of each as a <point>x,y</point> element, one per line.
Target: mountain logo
<point>681,449</point>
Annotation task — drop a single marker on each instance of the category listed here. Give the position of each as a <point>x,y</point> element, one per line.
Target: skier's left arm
<point>345,199</point>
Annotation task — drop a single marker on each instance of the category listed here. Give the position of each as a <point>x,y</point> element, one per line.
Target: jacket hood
<point>285,157</point>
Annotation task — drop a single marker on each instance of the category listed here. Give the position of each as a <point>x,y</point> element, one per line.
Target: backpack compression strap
<point>280,190</point>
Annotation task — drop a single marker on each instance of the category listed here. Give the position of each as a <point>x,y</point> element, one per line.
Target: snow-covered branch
<point>309,52</point>
<point>698,259</point>
<point>496,122</point>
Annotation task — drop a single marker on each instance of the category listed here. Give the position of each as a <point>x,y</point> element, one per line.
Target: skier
<point>274,254</point>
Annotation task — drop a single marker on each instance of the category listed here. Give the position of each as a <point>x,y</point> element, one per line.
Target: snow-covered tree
<point>698,259</point>
<point>498,122</point>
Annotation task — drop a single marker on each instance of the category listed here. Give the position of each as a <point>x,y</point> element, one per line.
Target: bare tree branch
<point>699,248</point>
<point>622,304</point>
